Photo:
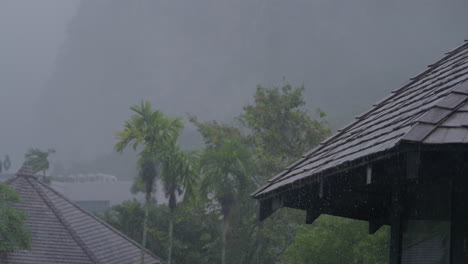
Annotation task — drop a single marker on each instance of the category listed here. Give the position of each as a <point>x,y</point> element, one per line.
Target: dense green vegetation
<point>338,240</point>
<point>13,231</point>
<point>160,157</point>
<point>219,224</point>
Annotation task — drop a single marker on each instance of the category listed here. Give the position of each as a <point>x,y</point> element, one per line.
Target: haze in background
<point>31,34</point>
<point>204,57</point>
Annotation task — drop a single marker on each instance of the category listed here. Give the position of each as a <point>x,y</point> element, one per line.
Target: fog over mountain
<point>31,34</point>
<point>205,57</point>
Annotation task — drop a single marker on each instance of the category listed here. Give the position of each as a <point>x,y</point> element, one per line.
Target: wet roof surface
<point>64,233</point>
<point>431,108</point>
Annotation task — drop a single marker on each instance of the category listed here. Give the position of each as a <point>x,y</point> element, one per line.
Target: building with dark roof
<point>62,232</point>
<point>403,163</point>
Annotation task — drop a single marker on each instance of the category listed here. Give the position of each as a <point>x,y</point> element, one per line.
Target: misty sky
<point>31,33</point>
<point>69,70</point>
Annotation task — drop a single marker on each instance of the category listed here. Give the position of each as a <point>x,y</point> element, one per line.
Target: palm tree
<point>179,174</point>
<point>38,159</point>
<point>224,170</point>
<point>154,132</point>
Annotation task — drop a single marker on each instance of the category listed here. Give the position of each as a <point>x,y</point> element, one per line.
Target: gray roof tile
<point>434,115</point>
<point>419,132</point>
<point>452,100</point>
<point>457,119</point>
<point>432,108</point>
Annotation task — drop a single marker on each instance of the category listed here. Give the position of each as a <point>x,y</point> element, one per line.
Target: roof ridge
<point>394,93</point>
<point>430,67</point>
<point>438,83</point>
<point>64,222</point>
<point>98,220</point>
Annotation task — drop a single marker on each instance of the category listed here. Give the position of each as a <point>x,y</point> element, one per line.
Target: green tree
<point>180,170</point>
<point>236,159</point>
<point>38,159</point>
<point>154,132</point>
<point>196,229</point>
<point>225,170</point>
<point>126,217</point>
<point>276,129</point>
<point>14,234</point>
<point>280,128</point>
<point>338,240</point>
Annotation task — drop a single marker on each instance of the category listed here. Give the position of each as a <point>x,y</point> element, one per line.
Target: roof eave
<point>349,165</point>
<point>403,146</point>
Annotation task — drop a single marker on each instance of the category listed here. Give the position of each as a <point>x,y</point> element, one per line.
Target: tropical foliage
<point>160,157</point>
<point>225,170</point>
<point>324,242</point>
<point>38,159</point>
<point>220,225</point>
<point>280,128</point>
<point>180,170</point>
<point>13,231</point>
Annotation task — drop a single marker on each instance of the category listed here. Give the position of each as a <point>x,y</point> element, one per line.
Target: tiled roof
<point>431,108</point>
<point>64,233</point>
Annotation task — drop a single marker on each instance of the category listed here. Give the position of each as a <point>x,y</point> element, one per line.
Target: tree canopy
<point>280,128</point>
<point>14,234</point>
<point>38,159</point>
<point>161,158</point>
<point>222,225</point>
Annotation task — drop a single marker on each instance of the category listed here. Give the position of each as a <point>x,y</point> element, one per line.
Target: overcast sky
<point>69,70</point>
<point>31,33</point>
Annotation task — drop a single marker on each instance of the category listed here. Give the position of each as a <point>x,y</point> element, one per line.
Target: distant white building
<point>90,177</point>
<point>96,192</point>
<point>98,196</point>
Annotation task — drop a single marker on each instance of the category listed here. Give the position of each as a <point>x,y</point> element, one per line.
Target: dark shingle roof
<point>431,108</point>
<point>64,233</point>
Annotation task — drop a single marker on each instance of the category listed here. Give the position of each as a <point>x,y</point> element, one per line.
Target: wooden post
<point>459,212</point>
<point>397,172</point>
<point>396,229</point>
